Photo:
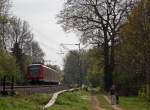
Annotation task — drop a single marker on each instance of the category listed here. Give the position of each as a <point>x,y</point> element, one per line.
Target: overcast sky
<point>41,15</point>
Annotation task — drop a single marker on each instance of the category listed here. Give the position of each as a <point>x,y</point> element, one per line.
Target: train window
<point>34,70</point>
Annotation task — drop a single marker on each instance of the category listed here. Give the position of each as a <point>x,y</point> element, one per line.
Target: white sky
<point>41,15</point>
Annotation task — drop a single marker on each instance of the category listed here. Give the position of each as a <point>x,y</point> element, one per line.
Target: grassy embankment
<point>32,102</point>
<point>127,103</point>
<point>134,103</point>
<point>76,100</point>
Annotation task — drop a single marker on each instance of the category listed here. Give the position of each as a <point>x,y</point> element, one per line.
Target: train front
<point>35,74</point>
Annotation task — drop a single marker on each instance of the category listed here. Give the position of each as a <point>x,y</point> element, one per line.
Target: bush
<point>8,66</point>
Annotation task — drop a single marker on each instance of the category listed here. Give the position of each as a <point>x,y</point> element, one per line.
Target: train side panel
<point>41,73</point>
<point>51,76</point>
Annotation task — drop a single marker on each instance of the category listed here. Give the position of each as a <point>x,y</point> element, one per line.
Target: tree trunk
<point>107,69</point>
<point>112,55</point>
<point>148,82</point>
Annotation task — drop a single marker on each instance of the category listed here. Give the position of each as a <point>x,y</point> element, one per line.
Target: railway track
<point>32,89</point>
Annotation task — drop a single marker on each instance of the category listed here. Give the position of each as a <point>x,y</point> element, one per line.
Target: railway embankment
<point>55,96</point>
<point>74,100</point>
<point>33,101</point>
<point>24,102</point>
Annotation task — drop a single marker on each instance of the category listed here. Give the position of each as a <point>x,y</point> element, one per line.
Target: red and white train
<point>38,73</point>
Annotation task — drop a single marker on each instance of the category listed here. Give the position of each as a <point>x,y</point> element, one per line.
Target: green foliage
<point>8,65</point>
<point>26,60</point>
<point>142,92</point>
<point>71,68</point>
<point>95,70</point>
<point>133,52</point>
<point>95,78</point>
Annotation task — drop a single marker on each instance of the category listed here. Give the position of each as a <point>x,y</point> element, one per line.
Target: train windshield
<point>34,70</point>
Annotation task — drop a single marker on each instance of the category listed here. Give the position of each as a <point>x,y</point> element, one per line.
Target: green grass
<point>32,102</point>
<point>134,103</point>
<point>76,100</point>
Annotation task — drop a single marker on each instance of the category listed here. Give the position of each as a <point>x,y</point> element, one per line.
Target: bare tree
<point>17,40</point>
<point>37,53</point>
<point>4,11</point>
<point>98,21</point>
<point>19,32</point>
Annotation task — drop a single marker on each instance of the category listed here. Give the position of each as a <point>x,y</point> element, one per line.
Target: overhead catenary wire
<point>42,43</point>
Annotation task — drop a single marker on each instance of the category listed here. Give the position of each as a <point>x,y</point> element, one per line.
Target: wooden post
<point>4,84</point>
<point>4,92</point>
<point>12,86</point>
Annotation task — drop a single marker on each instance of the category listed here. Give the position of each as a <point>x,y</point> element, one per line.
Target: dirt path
<point>95,103</point>
<point>115,107</point>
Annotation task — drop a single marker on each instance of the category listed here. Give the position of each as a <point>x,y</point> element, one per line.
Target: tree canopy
<point>98,21</point>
